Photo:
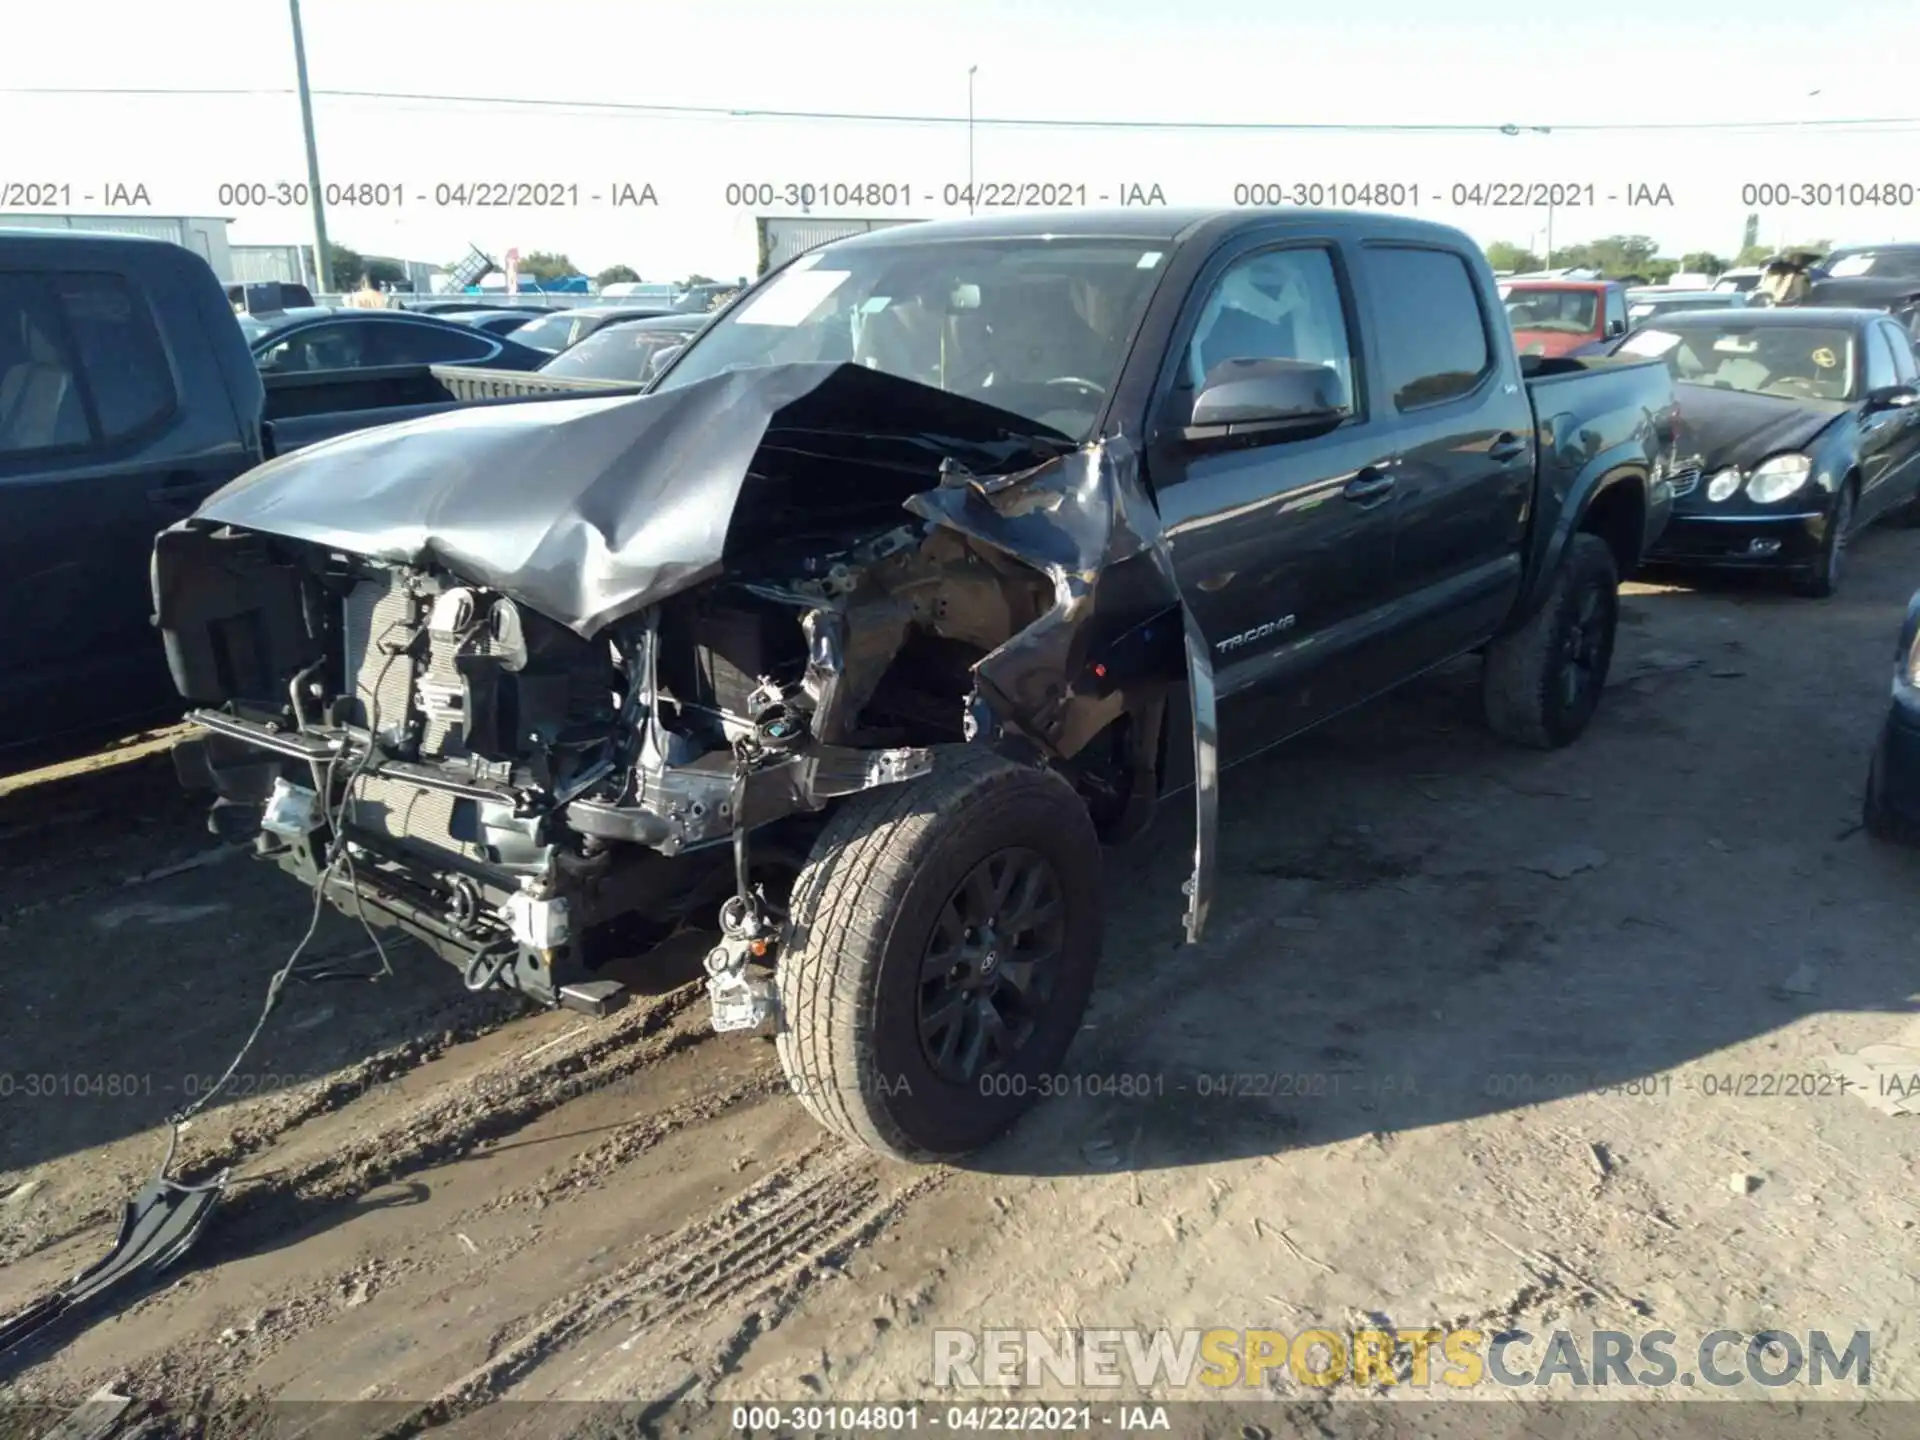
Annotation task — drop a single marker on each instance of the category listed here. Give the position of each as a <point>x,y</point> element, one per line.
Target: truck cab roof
<point>1176,226</point>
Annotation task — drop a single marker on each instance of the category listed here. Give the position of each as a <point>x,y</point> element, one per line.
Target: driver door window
<point>1905,366</point>
<point>1881,372</point>
<point>1274,305</point>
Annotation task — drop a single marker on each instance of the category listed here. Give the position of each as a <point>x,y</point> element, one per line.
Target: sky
<point>1471,65</point>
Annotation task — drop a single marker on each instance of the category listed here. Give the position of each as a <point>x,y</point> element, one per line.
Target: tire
<point>890,876</point>
<point>1825,577</point>
<point>1524,686</point>
<point>1881,821</point>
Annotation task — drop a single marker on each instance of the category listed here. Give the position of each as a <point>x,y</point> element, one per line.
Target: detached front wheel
<point>941,948</point>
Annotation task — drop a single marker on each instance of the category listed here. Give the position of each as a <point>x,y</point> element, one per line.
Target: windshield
<point>1880,264</point>
<point>1646,309</point>
<point>1569,312</point>
<point>1036,326</point>
<point>618,352</point>
<point>551,333</point>
<point>1791,361</point>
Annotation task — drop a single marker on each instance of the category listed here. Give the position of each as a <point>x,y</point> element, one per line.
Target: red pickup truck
<point>1557,317</point>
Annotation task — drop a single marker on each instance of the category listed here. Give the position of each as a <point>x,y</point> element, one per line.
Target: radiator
<point>375,610</point>
<point>383,609</point>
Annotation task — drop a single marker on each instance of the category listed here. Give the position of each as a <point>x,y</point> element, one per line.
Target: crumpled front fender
<point>1118,634</point>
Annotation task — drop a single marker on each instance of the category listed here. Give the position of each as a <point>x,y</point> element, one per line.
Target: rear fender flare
<point>1624,465</point>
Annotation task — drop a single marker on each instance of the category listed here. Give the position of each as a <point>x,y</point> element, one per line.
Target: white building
<point>204,235</point>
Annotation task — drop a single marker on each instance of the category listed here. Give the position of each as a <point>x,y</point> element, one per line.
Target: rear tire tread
<point>1518,669</point>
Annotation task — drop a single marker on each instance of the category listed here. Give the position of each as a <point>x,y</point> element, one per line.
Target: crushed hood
<point>1731,427</point>
<point>1865,292</point>
<point>588,510</point>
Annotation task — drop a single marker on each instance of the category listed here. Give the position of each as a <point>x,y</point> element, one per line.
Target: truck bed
<point>303,410</point>
<point>1576,402</point>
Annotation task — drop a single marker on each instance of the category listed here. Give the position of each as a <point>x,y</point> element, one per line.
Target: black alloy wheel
<point>991,965</point>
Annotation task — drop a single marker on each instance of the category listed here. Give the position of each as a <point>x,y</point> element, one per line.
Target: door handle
<point>1506,446</point>
<point>1369,485</point>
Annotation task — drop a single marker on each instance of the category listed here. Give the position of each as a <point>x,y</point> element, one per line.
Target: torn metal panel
<point>587,511</point>
<point>1118,637</point>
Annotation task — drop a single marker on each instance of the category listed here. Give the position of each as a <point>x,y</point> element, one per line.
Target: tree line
<point>1620,255</point>
<point>547,265</point>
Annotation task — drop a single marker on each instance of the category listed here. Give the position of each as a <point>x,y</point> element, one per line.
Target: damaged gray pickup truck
<point>920,573</point>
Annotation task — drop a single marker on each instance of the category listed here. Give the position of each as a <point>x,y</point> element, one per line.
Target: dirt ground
<point>1466,1045</point>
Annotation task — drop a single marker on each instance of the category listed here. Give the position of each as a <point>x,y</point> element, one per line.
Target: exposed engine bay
<point>510,782</point>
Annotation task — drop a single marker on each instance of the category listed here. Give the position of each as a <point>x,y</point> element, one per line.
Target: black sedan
<point>565,328</point>
<point>1798,426</point>
<point>1892,807</point>
<point>303,341</point>
<point>626,349</point>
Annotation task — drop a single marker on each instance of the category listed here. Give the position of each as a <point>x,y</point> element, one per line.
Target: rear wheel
<point>1880,819</point>
<point>942,945</point>
<point>1824,578</point>
<point>1543,681</point>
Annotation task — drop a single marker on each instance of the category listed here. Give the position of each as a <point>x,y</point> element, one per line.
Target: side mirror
<point>1276,397</point>
<point>661,359</point>
<point>1892,397</point>
<point>1616,327</point>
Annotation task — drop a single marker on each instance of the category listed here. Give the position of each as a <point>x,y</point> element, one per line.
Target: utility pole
<point>971,70</point>
<point>322,260</point>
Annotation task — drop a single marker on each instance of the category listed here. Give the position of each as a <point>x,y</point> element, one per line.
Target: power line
<point>1868,124</point>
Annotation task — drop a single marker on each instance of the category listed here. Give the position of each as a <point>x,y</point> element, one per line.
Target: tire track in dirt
<point>708,1287</point>
<point>500,1099</point>
<point>209,1353</point>
<point>254,1124</point>
<point>449,1122</point>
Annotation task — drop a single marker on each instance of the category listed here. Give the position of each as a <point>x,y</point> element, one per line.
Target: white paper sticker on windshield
<point>1150,259</point>
<point>1650,343</point>
<point>874,304</point>
<point>792,298</point>
<point>1850,266</point>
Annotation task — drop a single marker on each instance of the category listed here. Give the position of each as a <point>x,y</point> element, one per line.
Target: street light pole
<point>971,71</point>
<point>323,262</point>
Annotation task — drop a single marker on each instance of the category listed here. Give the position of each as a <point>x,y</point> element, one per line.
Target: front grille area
<point>1686,481</point>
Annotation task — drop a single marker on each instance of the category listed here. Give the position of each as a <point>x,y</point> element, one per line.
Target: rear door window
<point>335,345</point>
<point>41,407</point>
<point>398,343</point>
<point>120,352</point>
<point>1434,342</point>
